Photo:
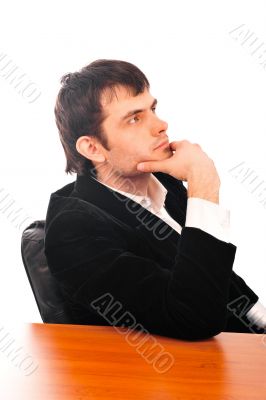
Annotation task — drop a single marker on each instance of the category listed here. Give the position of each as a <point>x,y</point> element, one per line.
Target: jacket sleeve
<point>89,258</point>
<point>241,299</point>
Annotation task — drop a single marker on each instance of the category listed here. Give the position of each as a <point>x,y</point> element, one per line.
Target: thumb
<point>151,166</point>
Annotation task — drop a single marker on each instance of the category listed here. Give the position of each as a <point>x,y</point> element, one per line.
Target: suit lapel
<point>132,213</point>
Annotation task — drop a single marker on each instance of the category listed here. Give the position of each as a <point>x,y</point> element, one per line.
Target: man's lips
<point>164,143</point>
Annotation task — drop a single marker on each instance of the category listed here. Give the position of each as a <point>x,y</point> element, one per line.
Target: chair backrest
<point>46,291</point>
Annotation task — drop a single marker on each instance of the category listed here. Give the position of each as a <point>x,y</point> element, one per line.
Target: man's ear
<point>90,148</point>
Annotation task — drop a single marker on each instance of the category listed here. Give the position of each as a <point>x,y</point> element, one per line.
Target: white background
<point>211,90</point>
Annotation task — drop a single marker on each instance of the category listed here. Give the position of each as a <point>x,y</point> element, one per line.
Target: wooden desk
<point>86,362</point>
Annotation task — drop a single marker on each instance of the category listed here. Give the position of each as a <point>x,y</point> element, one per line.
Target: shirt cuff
<point>257,315</point>
<point>209,217</point>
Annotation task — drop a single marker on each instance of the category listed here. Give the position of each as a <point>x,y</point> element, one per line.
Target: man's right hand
<point>191,164</point>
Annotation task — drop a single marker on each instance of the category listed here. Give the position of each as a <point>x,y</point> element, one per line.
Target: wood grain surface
<point>63,362</point>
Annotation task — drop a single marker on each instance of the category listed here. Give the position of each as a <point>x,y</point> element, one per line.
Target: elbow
<point>201,334</point>
<point>206,330</point>
<point>210,332</point>
<point>211,325</point>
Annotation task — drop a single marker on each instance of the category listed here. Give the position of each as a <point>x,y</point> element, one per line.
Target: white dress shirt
<point>203,214</point>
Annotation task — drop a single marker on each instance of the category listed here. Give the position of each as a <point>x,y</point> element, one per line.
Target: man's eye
<point>153,109</point>
<point>134,119</point>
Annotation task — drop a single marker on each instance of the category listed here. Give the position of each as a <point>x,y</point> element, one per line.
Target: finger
<point>174,145</point>
<point>150,166</point>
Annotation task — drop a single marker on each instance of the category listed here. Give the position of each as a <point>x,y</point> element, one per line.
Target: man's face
<point>133,130</point>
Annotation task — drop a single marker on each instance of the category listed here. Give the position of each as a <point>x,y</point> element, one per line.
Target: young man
<point>130,246</point>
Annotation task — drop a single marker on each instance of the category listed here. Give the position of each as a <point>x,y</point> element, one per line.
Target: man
<point>133,247</point>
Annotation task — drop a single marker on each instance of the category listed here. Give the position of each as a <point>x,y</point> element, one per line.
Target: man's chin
<point>166,153</point>
<point>162,155</point>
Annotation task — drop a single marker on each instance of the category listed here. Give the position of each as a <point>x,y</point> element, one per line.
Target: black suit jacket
<point>102,245</point>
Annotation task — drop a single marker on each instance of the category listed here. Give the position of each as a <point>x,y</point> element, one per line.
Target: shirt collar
<point>155,198</point>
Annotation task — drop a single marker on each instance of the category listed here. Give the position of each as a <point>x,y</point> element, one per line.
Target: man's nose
<point>159,127</point>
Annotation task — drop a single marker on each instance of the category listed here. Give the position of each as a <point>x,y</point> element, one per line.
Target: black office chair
<point>46,291</point>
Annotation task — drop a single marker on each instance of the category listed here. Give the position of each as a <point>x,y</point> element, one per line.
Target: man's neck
<point>135,184</point>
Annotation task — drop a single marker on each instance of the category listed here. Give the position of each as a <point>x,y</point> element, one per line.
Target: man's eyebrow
<point>130,113</point>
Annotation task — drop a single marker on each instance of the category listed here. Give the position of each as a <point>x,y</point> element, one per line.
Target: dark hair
<point>78,109</point>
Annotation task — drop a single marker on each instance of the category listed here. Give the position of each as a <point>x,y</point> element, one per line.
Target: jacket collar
<point>154,199</point>
<point>126,209</point>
